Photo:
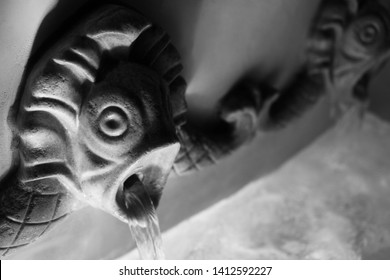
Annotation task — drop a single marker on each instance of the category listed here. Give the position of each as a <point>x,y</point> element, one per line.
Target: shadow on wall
<point>379,92</point>
<point>54,20</point>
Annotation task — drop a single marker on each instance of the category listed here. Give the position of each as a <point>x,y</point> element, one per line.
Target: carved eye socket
<point>370,31</point>
<point>369,34</point>
<point>113,122</point>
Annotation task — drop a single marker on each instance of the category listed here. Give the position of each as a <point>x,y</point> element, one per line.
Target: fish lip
<point>143,201</point>
<point>152,170</point>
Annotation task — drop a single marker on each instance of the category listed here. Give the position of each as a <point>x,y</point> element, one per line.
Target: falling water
<point>148,239</point>
<point>143,222</point>
<point>351,121</point>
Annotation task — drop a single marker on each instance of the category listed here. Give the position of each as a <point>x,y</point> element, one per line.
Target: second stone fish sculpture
<point>347,45</point>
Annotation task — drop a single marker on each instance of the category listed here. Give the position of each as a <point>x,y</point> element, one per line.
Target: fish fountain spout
<point>101,121</point>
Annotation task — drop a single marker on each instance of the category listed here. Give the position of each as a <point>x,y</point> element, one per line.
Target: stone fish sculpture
<point>348,43</point>
<point>103,108</point>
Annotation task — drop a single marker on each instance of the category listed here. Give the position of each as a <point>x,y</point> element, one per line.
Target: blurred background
<point>220,42</point>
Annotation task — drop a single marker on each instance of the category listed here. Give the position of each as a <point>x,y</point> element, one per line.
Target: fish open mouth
<point>140,194</point>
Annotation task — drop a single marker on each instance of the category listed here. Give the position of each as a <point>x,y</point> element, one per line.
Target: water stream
<point>143,223</point>
<point>148,239</point>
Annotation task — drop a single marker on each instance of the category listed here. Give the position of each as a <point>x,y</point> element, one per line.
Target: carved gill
<point>153,48</point>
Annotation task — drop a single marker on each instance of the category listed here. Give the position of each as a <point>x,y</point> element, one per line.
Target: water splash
<point>143,222</point>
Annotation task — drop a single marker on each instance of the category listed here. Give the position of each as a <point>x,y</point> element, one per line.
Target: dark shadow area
<point>59,18</point>
<point>58,21</point>
<point>379,93</point>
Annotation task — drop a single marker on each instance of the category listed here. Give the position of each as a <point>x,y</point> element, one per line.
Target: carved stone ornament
<point>104,107</point>
<point>348,43</point>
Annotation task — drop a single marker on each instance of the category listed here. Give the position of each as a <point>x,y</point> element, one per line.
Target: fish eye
<point>113,122</point>
<point>368,34</point>
<point>369,31</point>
